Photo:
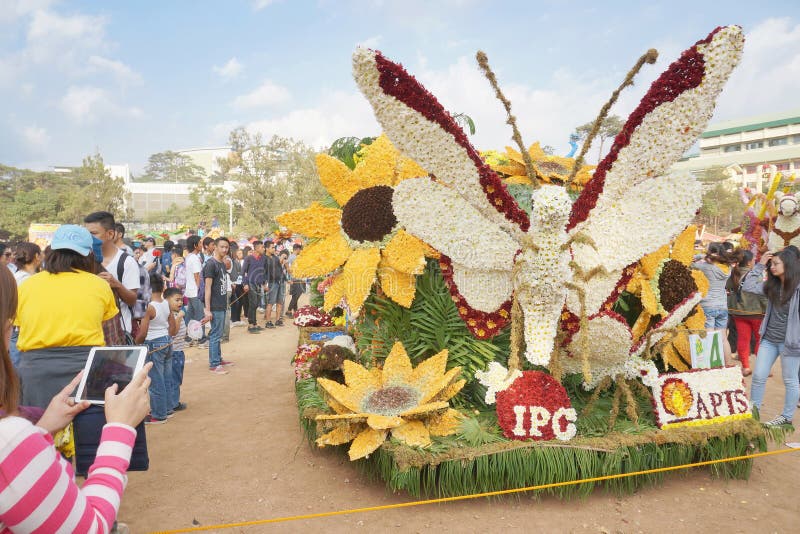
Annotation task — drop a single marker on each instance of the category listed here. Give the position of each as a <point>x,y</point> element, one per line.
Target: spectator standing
<point>156,331</point>
<point>747,310</point>
<point>297,285</point>
<point>274,275</point>
<point>226,328</point>
<point>149,259</point>
<point>166,258</point>
<point>253,278</point>
<point>174,297</point>
<point>194,269</point>
<point>122,271</point>
<point>120,241</point>
<point>6,257</point>
<point>27,260</point>
<point>177,273</point>
<point>238,293</point>
<point>52,351</point>
<point>216,281</point>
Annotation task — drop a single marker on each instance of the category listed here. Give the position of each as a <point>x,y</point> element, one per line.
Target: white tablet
<point>107,366</point>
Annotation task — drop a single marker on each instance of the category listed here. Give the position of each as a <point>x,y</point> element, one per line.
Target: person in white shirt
<point>194,266</point>
<point>120,228</point>
<point>101,225</point>
<point>149,260</point>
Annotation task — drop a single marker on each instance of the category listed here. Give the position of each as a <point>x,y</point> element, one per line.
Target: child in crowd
<point>156,331</point>
<point>174,297</point>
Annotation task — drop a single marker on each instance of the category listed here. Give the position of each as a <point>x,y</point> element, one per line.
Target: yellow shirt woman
<point>63,310</point>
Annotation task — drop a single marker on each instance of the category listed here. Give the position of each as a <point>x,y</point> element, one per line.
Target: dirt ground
<point>238,454</point>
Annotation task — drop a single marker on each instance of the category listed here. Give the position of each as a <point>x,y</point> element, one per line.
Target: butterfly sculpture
<point>565,260</point>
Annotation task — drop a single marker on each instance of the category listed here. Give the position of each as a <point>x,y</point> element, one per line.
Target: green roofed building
<point>748,148</point>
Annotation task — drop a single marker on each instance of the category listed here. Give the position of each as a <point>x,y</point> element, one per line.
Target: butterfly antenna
<point>649,57</point>
<point>483,62</point>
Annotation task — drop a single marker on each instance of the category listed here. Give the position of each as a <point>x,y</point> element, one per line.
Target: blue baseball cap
<point>72,237</point>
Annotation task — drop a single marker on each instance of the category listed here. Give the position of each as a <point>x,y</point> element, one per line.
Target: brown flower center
<point>675,284</point>
<point>368,215</point>
<point>390,400</point>
<point>551,167</point>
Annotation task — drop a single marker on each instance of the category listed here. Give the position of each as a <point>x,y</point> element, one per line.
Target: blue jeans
<point>790,367</point>
<point>178,360</point>
<point>13,351</point>
<point>215,338</point>
<point>160,375</point>
<point>716,319</point>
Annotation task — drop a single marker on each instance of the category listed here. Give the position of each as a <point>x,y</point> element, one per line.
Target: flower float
<point>312,316</point>
<point>362,236</point>
<point>548,168</point>
<point>565,254</point>
<point>536,406</point>
<point>410,403</point>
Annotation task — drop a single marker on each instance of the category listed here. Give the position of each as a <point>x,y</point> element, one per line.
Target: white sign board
<point>706,351</point>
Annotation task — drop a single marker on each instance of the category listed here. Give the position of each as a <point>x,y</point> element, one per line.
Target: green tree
<point>96,190</point>
<point>205,202</point>
<point>171,166</point>
<point>721,208</point>
<point>273,176</point>
<point>611,126</point>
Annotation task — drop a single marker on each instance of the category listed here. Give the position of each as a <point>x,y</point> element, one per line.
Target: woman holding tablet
<point>60,316</point>
<point>39,490</point>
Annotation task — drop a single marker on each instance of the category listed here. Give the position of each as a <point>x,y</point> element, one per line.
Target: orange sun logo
<point>676,397</point>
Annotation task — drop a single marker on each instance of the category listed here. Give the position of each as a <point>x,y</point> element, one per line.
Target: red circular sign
<point>536,406</point>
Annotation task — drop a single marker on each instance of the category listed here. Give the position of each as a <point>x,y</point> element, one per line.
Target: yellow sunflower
<point>676,352</point>
<point>411,403</point>
<point>362,235</point>
<point>548,168</point>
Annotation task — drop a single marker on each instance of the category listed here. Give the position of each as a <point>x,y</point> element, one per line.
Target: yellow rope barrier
<point>473,496</point>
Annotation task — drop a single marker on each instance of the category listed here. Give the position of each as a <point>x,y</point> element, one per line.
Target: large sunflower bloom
<point>362,235</point>
<point>548,168</point>
<point>662,281</point>
<point>411,403</point>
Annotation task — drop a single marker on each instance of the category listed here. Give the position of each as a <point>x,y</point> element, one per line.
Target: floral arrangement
<point>578,254</point>
<point>536,406</point>
<point>548,168</point>
<point>409,402</point>
<point>329,358</point>
<point>362,236</point>
<point>303,359</point>
<point>496,378</point>
<point>312,316</point>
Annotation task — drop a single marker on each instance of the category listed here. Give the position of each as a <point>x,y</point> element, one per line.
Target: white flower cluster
<point>483,290</point>
<point>496,378</point>
<point>424,141</point>
<point>343,341</point>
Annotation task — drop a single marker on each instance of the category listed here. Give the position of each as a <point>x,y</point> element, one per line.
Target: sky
<point>129,79</point>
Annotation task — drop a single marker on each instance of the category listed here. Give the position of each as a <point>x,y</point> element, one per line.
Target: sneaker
<point>778,421</point>
<point>234,324</point>
<point>170,414</point>
<point>254,330</point>
<point>279,322</point>
<point>180,407</point>
<point>153,421</point>
<point>218,370</point>
<point>290,315</point>
<point>269,325</point>
<point>260,309</point>
<point>203,345</point>
<point>226,363</point>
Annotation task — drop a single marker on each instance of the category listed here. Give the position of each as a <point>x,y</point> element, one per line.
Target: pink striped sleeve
<point>38,492</point>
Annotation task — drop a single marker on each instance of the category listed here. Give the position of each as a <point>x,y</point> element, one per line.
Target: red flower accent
<point>533,388</point>
<point>483,325</point>
<point>685,73</point>
<point>396,82</point>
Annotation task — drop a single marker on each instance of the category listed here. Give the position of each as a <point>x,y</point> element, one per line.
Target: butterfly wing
<point>630,207</point>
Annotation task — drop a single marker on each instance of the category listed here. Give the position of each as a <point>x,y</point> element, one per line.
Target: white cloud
<point>86,104</point>
<point>35,136</point>
<point>11,10</point>
<point>768,77</point>
<point>122,72</point>
<point>266,95</point>
<point>229,70</point>
<point>52,36</point>
<point>258,5</point>
<point>371,42</point>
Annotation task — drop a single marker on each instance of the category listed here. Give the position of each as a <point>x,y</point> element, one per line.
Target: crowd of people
<point>758,306</point>
<point>91,288</point>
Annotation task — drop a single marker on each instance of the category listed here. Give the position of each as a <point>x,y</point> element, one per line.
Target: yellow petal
<point>697,320</point>
<point>383,422</point>
<point>413,434</point>
<point>409,169</point>
<point>405,253</point>
<point>536,152</point>
<point>313,221</point>
<point>640,326</point>
<point>336,178</point>
<point>344,417</point>
<point>518,179</point>
<point>340,434</point>
<point>430,368</point>
<point>400,287</point>
<point>337,406</point>
<point>379,166</point>
<point>513,155</point>
<point>651,262</point>
<point>397,367</point>
<point>322,257</point>
<point>358,378</point>
<point>433,388</point>
<point>426,408</point>
<point>366,442</point>
<point>335,293</point>
<point>635,283</point>
<point>343,394</point>
<point>359,274</point>
<point>683,247</point>
<point>673,359</point>
<point>700,281</point>
<point>450,391</point>
<point>649,300</point>
<point>444,423</point>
